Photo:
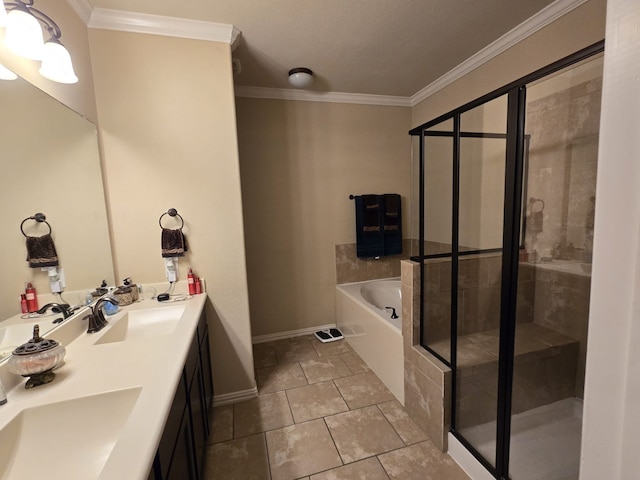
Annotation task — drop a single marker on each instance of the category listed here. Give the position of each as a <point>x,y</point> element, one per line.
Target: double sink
<point>69,428</point>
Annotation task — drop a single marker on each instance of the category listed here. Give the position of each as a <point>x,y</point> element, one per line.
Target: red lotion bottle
<point>32,298</point>
<point>23,303</point>
<point>198,285</point>
<point>192,282</point>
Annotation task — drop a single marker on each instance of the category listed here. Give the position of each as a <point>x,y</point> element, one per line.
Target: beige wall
<point>299,163</point>
<point>578,29</point>
<point>79,96</point>
<point>167,124</point>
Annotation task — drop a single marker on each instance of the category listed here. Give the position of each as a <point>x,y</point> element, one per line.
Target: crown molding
<point>106,19</point>
<point>325,97</point>
<point>530,26</point>
<point>83,8</point>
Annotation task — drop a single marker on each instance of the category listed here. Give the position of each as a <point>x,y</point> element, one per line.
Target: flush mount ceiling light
<point>24,36</point>
<point>301,77</point>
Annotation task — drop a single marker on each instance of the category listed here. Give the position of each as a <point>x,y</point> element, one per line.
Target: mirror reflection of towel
<point>41,252</point>
<point>173,243</point>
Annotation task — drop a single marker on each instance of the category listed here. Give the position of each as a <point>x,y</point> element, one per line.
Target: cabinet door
<point>207,374</point>
<point>183,465</point>
<point>198,416</point>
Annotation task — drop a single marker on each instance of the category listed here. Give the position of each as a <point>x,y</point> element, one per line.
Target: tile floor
<point>321,414</point>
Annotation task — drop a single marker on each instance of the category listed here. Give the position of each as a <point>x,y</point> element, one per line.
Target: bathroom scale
<point>329,335</point>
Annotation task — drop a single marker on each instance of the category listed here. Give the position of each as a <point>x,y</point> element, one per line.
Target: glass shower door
<point>478,271</point>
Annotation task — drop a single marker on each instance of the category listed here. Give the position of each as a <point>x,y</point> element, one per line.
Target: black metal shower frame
<point>512,222</point>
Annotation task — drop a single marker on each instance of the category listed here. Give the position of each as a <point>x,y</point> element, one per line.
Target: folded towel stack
<point>378,225</point>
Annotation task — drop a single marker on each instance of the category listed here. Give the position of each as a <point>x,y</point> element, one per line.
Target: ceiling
<point>379,47</point>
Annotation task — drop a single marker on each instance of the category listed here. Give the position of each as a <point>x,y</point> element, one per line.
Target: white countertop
<point>153,363</point>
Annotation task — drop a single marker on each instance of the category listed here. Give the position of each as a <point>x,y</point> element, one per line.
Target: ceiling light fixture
<point>301,77</point>
<point>23,36</point>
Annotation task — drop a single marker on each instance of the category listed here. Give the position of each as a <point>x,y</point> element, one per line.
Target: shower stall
<point>505,189</point>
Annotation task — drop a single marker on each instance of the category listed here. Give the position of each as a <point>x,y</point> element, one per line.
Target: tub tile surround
<point>350,268</point>
<point>345,428</point>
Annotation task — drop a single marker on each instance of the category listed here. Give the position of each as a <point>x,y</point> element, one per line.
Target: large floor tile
<point>406,427</point>
<point>355,363</point>
<point>331,348</point>
<point>295,349</point>
<point>369,469</point>
<point>240,459</point>
<point>221,424</point>
<point>315,401</point>
<point>422,461</point>
<point>266,412</point>
<point>264,355</point>
<point>324,368</point>
<point>362,433</point>
<point>363,390</point>
<point>301,450</point>
<point>280,377</point>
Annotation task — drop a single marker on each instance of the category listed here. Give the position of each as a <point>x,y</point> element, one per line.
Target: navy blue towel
<point>378,225</point>
<point>392,224</point>
<point>369,232</point>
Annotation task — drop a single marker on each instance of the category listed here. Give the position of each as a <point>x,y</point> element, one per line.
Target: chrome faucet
<point>393,312</point>
<point>96,318</point>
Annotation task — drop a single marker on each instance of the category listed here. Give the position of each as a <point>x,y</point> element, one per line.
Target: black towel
<point>174,243</point>
<point>369,235</point>
<point>392,223</point>
<point>41,252</point>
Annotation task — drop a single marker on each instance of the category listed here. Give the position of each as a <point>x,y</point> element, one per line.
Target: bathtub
<point>370,330</point>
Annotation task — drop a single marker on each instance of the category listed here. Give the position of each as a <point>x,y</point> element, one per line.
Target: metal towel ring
<point>172,212</point>
<point>38,217</point>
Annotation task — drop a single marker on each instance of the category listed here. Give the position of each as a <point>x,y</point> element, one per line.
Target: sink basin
<point>65,440</point>
<point>138,324</point>
<point>15,335</point>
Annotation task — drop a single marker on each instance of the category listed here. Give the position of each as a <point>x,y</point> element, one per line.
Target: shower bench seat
<point>545,369</point>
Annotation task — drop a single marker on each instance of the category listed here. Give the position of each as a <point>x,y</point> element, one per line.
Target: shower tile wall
<point>563,156</point>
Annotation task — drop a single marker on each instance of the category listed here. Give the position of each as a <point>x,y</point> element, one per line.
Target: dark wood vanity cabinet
<point>182,450</point>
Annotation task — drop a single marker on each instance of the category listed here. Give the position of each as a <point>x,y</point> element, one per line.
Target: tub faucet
<point>393,312</point>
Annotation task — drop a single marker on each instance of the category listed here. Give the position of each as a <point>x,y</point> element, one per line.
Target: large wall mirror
<point>50,164</point>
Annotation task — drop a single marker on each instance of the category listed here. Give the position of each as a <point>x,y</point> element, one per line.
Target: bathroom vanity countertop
<point>152,364</point>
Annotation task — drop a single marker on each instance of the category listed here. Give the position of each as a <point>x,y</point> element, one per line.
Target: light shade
<point>3,15</point>
<point>6,74</point>
<point>56,63</point>
<point>24,35</point>
<point>301,77</point>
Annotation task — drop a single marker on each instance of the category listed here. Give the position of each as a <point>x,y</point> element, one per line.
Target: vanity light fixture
<point>6,74</point>
<point>24,36</point>
<point>301,77</point>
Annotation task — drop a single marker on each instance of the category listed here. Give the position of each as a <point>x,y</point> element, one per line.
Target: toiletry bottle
<point>191,282</point>
<point>3,394</point>
<point>23,303</point>
<point>198,285</point>
<point>32,298</point>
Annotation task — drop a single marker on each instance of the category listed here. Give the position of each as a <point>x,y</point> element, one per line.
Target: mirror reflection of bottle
<point>32,298</point>
<point>23,303</point>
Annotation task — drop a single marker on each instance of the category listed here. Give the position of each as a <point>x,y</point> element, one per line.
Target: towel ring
<point>172,212</point>
<point>534,202</point>
<point>38,217</point>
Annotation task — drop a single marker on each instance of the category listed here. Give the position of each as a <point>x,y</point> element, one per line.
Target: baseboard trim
<point>233,397</point>
<point>290,334</point>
